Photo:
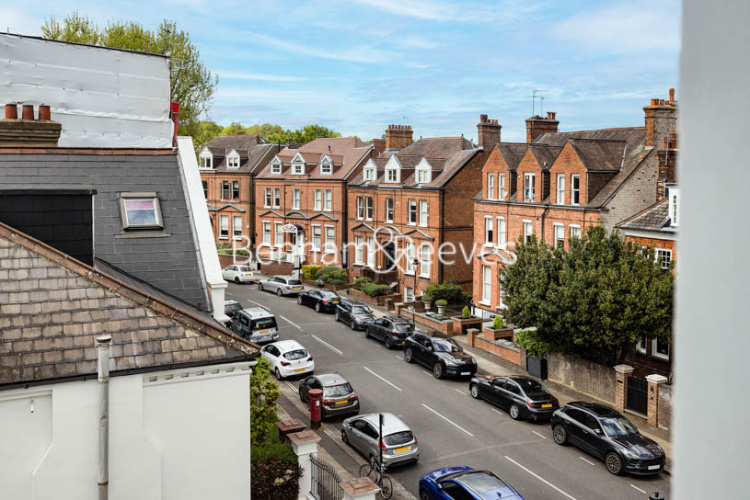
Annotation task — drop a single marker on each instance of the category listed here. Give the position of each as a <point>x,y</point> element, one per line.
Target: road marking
<point>535,432</point>
<point>448,420</point>
<point>587,461</point>
<point>295,325</point>
<point>326,344</point>
<point>461,392</point>
<point>288,384</point>
<point>381,378</point>
<point>497,411</point>
<point>399,357</point>
<point>257,303</point>
<point>637,488</point>
<point>427,373</point>
<point>540,478</point>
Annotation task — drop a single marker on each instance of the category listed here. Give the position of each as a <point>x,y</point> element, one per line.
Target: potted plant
<point>466,313</point>
<point>441,303</point>
<point>427,299</point>
<point>498,330</point>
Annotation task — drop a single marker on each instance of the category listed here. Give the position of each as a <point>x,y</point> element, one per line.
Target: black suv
<point>391,331</point>
<point>442,356</point>
<point>608,435</point>
<point>357,316</point>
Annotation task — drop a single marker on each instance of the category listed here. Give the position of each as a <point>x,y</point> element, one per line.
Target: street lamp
<point>414,298</point>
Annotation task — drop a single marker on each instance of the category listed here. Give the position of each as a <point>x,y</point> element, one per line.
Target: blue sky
<point>358,65</point>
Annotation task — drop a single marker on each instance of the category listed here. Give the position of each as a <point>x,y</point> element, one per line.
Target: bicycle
<point>372,470</point>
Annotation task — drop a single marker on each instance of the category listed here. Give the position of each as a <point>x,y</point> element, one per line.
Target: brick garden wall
<point>584,376</point>
<point>665,406</point>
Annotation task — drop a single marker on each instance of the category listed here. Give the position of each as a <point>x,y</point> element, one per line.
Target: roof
<point>391,423</point>
<point>346,152</point>
<point>287,345</point>
<point>253,150</point>
<point>169,262</point>
<point>597,408</point>
<point>599,154</point>
<point>330,379</point>
<point>653,218</point>
<point>257,312</point>
<point>513,152</point>
<point>80,303</point>
<point>545,155</point>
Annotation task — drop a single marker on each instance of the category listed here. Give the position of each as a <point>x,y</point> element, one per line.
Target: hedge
<point>450,292</point>
<point>360,282</point>
<point>375,289</point>
<point>310,271</point>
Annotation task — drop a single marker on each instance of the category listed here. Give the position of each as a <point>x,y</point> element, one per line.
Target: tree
<point>202,132</point>
<point>264,392</point>
<point>192,85</point>
<point>301,136</point>
<point>596,300</point>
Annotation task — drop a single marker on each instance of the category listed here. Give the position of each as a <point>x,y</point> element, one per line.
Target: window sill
<point>412,224</point>
<point>143,233</point>
<point>426,276</point>
<point>484,303</point>
<point>223,237</point>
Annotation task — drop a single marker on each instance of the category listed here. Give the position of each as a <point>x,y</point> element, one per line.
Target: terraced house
<point>301,203</point>
<point>412,200</point>
<point>557,184</point>
<point>228,166</point>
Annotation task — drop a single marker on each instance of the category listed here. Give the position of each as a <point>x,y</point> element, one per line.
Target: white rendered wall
<point>102,97</point>
<point>712,342</point>
<point>175,437</point>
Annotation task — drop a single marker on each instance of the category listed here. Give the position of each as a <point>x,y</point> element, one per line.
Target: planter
<point>537,367</point>
<point>441,309</point>
<point>503,333</point>
<point>461,325</point>
<point>428,305</point>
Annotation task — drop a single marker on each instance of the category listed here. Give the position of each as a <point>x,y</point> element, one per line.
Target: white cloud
<point>362,54</point>
<point>631,26</point>
<point>258,77</point>
<point>441,10</point>
<point>420,43</point>
<point>273,95</point>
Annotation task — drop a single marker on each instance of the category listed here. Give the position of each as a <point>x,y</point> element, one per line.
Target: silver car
<point>281,285</point>
<point>399,442</point>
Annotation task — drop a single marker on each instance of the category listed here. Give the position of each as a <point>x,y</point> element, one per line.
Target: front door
<point>389,253</point>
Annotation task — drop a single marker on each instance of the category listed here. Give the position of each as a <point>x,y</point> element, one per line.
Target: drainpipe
<point>102,347</point>
<point>544,212</point>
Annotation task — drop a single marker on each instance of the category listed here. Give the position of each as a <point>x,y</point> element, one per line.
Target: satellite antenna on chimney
<point>533,99</point>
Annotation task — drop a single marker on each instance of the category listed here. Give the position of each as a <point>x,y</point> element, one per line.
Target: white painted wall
<point>176,435</point>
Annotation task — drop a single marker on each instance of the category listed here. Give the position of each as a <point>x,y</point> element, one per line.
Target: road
<point>452,428</point>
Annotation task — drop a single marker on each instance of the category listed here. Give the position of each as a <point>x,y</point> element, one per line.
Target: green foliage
<point>529,340</point>
<point>360,282</point>
<point>329,273</point>
<point>301,136</point>
<point>310,271</point>
<point>426,297</point>
<point>275,479</point>
<point>274,447</point>
<point>226,249</point>
<point>335,281</point>
<point>466,312</point>
<point>498,323</point>
<point>192,84</point>
<point>596,300</point>
<point>376,289</point>
<point>441,302</point>
<point>201,131</point>
<point>264,393</point>
<point>450,292</point>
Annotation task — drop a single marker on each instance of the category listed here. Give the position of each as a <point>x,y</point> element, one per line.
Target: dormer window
<point>233,160</point>
<point>206,160</point>
<point>393,170</point>
<point>326,166</point>
<point>674,213</point>
<point>276,166</point>
<point>370,171</point>
<point>424,172</point>
<point>298,165</point>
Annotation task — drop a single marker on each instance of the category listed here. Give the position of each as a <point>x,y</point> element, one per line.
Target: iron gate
<point>637,395</point>
<point>325,480</point>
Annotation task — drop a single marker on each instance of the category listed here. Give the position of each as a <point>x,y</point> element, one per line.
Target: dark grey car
<point>357,316</point>
<point>391,331</point>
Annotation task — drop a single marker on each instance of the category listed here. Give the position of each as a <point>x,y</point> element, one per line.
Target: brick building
<point>557,184</point>
<point>410,201</point>
<point>228,166</point>
<point>301,202</point>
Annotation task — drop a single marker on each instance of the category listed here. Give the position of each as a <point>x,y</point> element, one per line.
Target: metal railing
<point>324,480</point>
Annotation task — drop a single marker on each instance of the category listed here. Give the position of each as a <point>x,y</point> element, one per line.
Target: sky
<point>357,66</point>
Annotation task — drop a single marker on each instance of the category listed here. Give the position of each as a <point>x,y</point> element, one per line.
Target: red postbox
<point>316,396</point>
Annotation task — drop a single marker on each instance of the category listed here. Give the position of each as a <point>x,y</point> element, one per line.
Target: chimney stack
<point>378,146</point>
<point>398,136</point>
<point>661,120</point>
<point>488,132</point>
<point>537,125</point>
<point>27,131</point>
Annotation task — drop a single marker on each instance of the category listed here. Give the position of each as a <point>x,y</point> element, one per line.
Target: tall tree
<point>192,84</point>
<point>202,132</point>
<point>596,300</point>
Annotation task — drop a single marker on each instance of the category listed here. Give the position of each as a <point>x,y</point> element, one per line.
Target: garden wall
<point>500,348</point>
<point>584,376</point>
<point>665,406</point>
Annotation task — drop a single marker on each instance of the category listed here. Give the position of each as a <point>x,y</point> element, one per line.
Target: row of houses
<point>383,210</point>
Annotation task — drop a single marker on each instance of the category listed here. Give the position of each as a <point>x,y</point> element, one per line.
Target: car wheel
<point>278,374</point>
<point>614,463</point>
<point>409,355</point>
<point>388,343</point>
<point>317,307</point>
<point>515,412</point>
<point>260,286</point>
<point>367,333</point>
<point>278,292</point>
<point>301,396</point>
<point>559,434</point>
<point>237,280</point>
<point>299,299</point>
<point>437,370</point>
<point>474,389</point>
<point>343,436</point>
<point>336,316</point>
<point>423,495</point>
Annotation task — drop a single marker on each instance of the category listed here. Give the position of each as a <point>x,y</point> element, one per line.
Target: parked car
<point>464,483</point>
<point>231,308</point>
<point>357,316</point>
<point>238,274</point>
<point>287,358</point>
<point>320,300</point>
<point>443,356</point>
<point>391,331</point>
<point>339,398</point>
<point>281,285</point>
<point>399,442</point>
<point>255,324</point>
<point>606,434</point>
<point>522,397</point>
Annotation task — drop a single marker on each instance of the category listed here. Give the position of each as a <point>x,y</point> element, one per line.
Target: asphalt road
<point>452,428</point>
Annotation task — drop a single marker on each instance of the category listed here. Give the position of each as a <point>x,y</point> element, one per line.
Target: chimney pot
<point>671,95</point>
<point>27,112</point>
<point>654,102</point>
<point>11,112</point>
<point>44,113</point>
<point>482,118</point>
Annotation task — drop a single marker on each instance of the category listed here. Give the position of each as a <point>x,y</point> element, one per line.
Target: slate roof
<point>170,262</point>
<point>655,218</point>
<point>254,152</point>
<point>513,153</point>
<point>346,153</point>
<point>545,155</point>
<point>52,308</point>
<point>599,154</point>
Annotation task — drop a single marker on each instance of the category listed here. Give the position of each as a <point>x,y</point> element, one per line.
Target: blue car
<point>464,482</point>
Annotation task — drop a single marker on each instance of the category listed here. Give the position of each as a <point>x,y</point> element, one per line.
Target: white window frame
<point>298,167</point>
<point>560,189</point>
<point>369,173</point>
<point>389,210</point>
<point>640,346</point>
<point>412,205</point>
<point>674,207</point>
<point>490,186</point>
<point>358,251</point>
<point>233,161</point>
<point>424,175</point>
<point>486,285</point>
<point>326,167</point>
<point>425,260</point>
<point>371,252</point>
<point>424,213</point>
<point>575,192</point>
<point>657,354</point>
<point>276,197</point>
<point>369,208</point>
<point>658,252</point>
<point>360,208</point>
<point>573,227</point>
<point>330,243</point>
<point>267,233</point>
<point>489,231</point>
<point>295,199</point>
<point>231,189</point>
<point>235,219</point>
<point>318,199</point>
<point>410,256</point>
<point>223,227</point>
<point>501,193</point>
<point>527,234</point>
<point>558,234</point>
<point>227,192</point>
<point>393,175</point>
<point>127,202</point>
<point>327,200</point>
<point>207,160</point>
<point>276,166</point>
<point>316,238</point>
<point>408,294</point>
<point>502,233</point>
<point>278,236</point>
<point>529,187</point>
<point>267,197</point>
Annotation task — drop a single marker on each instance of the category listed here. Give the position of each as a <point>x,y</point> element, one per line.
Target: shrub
<point>450,292</point>
<point>441,302</point>
<point>310,271</point>
<point>466,313</point>
<point>376,289</point>
<point>337,274</point>
<point>498,323</point>
<point>336,281</point>
<point>529,340</point>
<point>426,297</point>
<point>360,282</point>
<point>275,479</point>
<point>324,271</point>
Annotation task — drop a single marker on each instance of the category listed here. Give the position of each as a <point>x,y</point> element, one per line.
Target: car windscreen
<point>398,438</point>
<point>441,345</point>
<point>294,282</point>
<point>336,391</point>
<point>296,354</point>
<point>245,269</point>
<point>233,308</point>
<point>482,482</point>
<point>618,426</point>
<point>361,310</point>
<point>533,389</point>
<point>403,327</point>
<point>264,323</point>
